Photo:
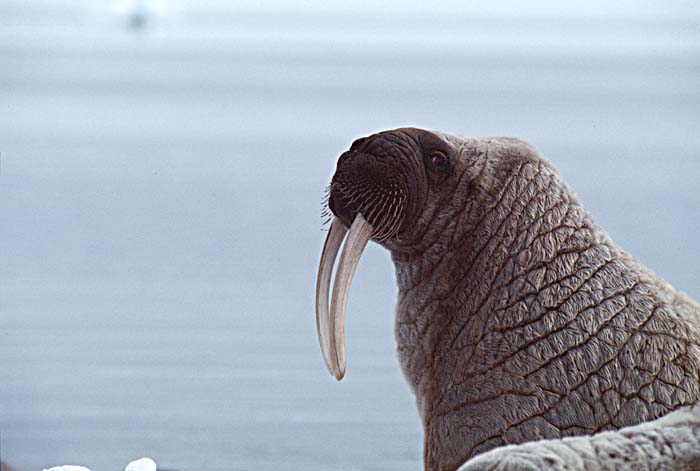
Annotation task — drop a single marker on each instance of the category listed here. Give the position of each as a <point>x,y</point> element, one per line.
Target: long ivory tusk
<point>323,282</point>
<point>360,233</point>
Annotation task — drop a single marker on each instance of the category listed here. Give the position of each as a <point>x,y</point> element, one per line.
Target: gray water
<point>160,216</point>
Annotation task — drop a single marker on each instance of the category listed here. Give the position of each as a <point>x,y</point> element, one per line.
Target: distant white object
<point>143,464</point>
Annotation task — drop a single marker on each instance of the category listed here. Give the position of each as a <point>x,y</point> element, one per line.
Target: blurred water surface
<point>160,205</point>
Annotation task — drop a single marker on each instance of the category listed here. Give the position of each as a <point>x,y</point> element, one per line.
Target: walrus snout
<point>380,177</point>
<point>375,192</point>
<point>368,194</point>
<point>369,185</point>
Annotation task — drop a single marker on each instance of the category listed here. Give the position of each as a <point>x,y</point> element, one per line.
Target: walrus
<point>517,318</point>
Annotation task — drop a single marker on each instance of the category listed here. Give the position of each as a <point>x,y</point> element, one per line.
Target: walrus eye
<point>439,162</point>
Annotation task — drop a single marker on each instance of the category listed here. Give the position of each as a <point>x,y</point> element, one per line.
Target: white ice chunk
<point>143,464</point>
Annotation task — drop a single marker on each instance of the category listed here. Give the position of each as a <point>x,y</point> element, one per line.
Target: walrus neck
<point>519,317</point>
<point>485,257</point>
<point>487,270</point>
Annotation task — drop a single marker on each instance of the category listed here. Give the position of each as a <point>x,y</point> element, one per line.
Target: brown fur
<point>519,319</point>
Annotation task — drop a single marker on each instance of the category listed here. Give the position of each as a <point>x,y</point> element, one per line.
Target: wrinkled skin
<point>669,443</point>
<point>517,319</point>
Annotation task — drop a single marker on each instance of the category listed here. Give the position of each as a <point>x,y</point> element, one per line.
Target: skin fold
<point>669,443</point>
<point>517,318</point>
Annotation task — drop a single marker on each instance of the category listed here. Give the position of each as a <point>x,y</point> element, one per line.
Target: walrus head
<point>381,190</point>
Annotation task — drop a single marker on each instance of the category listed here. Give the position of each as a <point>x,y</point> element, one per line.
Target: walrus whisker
<point>385,223</point>
<point>374,208</point>
<point>398,214</point>
<point>351,197</point>
<point>326,213</point>
<point>326,218</point>
<point>382,224</point>
<point>394,219</point>
<point>370,207</point>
